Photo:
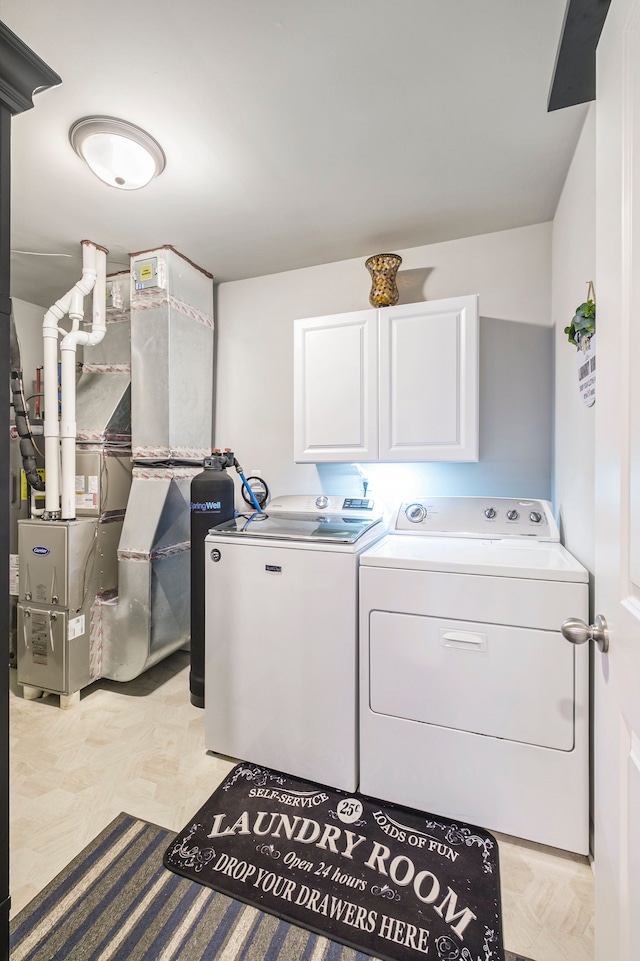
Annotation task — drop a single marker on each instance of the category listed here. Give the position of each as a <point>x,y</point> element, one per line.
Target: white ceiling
<point>296,132</point>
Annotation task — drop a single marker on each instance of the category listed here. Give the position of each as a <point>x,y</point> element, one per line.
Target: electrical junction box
<point>145,273</point>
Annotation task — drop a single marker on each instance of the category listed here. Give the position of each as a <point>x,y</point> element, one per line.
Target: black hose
<point>21,414</point>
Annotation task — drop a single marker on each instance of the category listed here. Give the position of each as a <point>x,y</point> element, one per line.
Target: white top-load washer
<point>472,704</point>
<point>281,635</point>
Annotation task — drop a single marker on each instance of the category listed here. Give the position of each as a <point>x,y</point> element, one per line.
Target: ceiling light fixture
<point>119,153</point>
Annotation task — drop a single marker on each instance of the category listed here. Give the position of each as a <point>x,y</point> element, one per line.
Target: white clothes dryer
<point>281,635</point>
<point>472,704</point>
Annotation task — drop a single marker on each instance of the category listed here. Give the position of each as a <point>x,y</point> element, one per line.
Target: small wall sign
<point>586,358</point>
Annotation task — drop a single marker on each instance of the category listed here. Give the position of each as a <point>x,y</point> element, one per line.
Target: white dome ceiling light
<point>119,153</point>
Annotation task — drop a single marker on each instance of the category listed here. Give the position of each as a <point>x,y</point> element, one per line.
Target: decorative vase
<point>383,269</point>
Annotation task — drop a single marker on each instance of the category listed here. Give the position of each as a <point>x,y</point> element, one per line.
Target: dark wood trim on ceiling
<point>574,74</point>
<point>22,74</point>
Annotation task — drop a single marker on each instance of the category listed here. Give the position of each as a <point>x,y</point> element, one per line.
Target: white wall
<point>511,272</point>
<point>573,266</point>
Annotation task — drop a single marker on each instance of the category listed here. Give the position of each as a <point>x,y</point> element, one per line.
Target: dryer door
<point>506,682</point>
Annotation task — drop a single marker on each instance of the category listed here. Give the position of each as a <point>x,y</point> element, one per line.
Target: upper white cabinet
<point>336,387</point>
<point>428,381</point>
<point>394,384</point>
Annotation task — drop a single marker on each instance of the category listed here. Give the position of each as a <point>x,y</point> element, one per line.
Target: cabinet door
<point>429,381</point>
<point>335,388</point>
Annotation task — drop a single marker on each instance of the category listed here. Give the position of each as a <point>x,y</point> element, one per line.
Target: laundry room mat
<point>117,901</point>
<point>385,880</point>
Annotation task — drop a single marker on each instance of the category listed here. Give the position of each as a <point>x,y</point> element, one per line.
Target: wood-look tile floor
<point>139,747</point>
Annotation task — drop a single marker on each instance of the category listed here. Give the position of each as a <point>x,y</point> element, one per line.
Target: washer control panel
<point>487,517</point>
<point>319,505</point>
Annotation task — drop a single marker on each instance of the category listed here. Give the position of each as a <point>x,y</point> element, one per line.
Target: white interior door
<point>617,502</point>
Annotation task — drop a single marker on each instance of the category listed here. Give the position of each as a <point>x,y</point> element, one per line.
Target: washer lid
<point>537,560</point>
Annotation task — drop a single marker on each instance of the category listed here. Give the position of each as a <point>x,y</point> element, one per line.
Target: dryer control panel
<point>488,517</point>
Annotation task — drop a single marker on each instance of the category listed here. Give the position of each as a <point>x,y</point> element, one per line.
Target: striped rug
<point>116,902</point>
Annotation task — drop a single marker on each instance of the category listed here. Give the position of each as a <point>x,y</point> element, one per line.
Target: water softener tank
<point>212,496</point>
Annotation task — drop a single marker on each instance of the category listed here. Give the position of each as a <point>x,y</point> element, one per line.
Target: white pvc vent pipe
<point>61,480</point>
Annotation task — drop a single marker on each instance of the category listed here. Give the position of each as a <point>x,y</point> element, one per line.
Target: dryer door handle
<point>577,631</point>
<point>466,640</point>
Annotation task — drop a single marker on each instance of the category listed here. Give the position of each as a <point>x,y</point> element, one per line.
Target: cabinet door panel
<point>335,388</point>
<point>429,381</point>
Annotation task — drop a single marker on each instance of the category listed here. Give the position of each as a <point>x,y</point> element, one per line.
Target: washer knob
<point>535,516</point>
<point>415,513</point>
<point>512,515</point>
<point>322,501</point>
<point>490,512</point>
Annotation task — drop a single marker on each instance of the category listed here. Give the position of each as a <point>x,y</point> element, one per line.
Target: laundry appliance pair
<point>422,663</point>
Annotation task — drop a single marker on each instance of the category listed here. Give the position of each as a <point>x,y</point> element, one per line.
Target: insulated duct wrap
<point>171,357</point>
<point>150,617</point>
<point>103,394</point>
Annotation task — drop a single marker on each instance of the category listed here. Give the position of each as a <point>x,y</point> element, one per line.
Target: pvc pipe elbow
<point>87,282</point>
<point>81,338</point>
<point>53,316</point>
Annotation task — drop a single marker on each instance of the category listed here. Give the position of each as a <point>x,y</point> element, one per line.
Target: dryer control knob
<point>415,513</point>
<point>322,501</point>
<point>512,515</point>
<point>535,516</point>
<point>490,512</point>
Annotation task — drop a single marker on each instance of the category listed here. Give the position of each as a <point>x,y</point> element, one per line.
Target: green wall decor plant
<point>583,323</point>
